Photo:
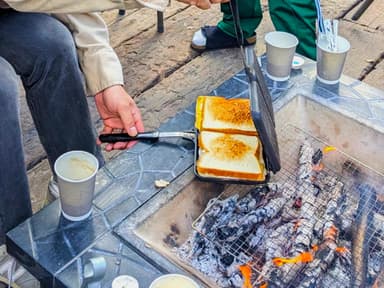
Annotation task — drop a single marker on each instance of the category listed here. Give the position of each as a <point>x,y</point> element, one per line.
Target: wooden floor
<point>164,75</point>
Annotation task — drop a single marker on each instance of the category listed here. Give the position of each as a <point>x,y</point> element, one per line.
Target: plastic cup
<point>173,281</point>
<point>76,175</point>
<point>281,47</point>
<point>330,64</point>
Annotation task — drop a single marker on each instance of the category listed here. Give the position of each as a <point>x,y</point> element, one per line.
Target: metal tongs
<point>150,136</point>
<point>260,98</point>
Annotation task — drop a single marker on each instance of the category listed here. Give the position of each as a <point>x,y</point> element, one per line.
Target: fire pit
<point>319,223</point>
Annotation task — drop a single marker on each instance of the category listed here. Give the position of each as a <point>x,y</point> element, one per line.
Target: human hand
<point>119,113</point>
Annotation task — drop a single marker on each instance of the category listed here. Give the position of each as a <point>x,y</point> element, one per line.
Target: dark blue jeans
<point>41,51</point>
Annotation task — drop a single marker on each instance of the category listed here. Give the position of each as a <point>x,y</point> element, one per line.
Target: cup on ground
<point>76,175</point>
<point>125,281</point>
<point>330,63</point>
<point>281,47</point>
<point>173,281</point>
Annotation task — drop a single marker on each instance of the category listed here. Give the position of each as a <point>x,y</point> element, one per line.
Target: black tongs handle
<point>124,137</point>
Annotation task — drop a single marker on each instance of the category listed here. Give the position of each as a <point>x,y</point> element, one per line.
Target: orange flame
<point>304,257</point>
<point>246,271</point>
<point>328,149</point>
<point>331,233</point>
<point>264,285</point>
<point>341,250</point>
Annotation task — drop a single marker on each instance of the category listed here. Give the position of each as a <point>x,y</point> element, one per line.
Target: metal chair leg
<point>160,22</point>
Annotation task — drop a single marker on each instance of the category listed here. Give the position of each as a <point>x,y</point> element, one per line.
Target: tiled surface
<point>55,250</point>
<point>120,259</point>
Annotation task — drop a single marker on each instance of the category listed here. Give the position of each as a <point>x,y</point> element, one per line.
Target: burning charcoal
<point>328,219</point>
<point>306,224</point>
<point>235,281</point>
<point>227,259</point>
<point>258,237</point>
<point>305,153</point>
<point>291,209</point>
<point>308,219</point>
<point>347,208</point>
<point>337,275</point>
<point>219,214</point>
<point>245,205</point>
<point>305,162</point>
<point>317,157</point>
<point>375,266</point>
<point>259,192</point>
<point>226,233</point>
<point>260,215</point>
<point>362,234</point>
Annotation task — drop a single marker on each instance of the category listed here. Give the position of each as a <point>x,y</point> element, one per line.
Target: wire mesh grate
<point>305,228</point>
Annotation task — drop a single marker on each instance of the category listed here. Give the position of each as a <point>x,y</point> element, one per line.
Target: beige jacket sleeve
<point>98,61</point>
<point>83,6</point>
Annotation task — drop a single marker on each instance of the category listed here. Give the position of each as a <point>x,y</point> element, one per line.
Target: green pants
<point>297,17</point>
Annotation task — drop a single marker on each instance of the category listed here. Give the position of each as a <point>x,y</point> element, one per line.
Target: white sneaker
<point>199,39</point>
<point>53,188</point>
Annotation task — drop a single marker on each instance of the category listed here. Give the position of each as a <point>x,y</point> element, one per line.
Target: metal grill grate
<point>301,217</point>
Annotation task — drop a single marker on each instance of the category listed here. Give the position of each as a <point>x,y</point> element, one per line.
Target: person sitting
<point>56,47</point>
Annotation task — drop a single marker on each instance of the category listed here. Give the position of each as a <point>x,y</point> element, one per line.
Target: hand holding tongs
<point>151,136</point>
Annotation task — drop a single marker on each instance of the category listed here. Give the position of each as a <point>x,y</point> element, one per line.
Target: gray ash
<point>313,214</point>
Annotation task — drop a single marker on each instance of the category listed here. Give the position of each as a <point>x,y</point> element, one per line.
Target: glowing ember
<point>246,271</point>
<point>331,233</point>
<point>318,167</point>
<point>264,285</point>
<point>342,250</point>
<point>304,257</point>
<point>328,149</point>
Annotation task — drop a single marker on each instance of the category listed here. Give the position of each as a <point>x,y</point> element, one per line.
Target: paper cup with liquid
<point>330,63</point>
<point>174,281</point>
<point>76,175</point>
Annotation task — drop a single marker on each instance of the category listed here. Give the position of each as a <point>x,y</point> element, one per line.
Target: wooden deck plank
<point>366,44</point>
<point>151,56</point>
<point>141,20</point>
<point>374,15</point>
<point>375,78</point>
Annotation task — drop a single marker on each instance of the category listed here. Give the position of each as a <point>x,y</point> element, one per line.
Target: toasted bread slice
<point>234,156</point>
<point>224,115</point>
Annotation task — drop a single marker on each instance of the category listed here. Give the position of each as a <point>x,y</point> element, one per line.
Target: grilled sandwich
<point>228,142</point>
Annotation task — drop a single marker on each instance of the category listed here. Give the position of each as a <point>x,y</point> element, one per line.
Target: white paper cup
<point>76,175</point>
<point>173,281</point>
<point>125,281</point>
<point>281,47</point>
<point>330,64</point>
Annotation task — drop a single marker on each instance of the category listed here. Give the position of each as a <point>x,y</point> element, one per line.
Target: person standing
<point>297,17</point>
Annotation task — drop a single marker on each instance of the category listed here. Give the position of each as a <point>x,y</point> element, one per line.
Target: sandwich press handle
<point>124,137</point>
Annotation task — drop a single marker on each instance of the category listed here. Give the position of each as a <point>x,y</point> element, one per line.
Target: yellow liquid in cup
<point>174,282</point>
<point>76,168</point>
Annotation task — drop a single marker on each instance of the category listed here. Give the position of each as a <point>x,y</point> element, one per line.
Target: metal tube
<point>160,22</point>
